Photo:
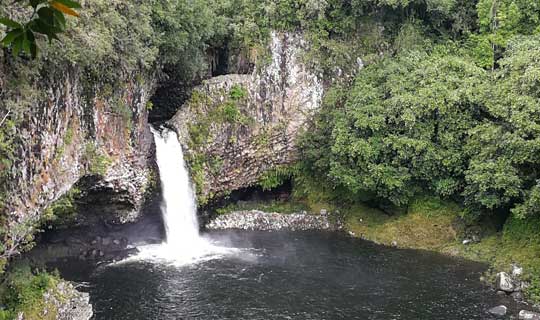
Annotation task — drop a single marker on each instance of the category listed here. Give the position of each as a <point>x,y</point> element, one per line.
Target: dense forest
<point>424,98</point>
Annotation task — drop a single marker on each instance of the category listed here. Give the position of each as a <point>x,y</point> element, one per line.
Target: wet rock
<point>528,315</point>
<point>499,311</point>
<point>501,293</point>
<point>394,243</point>
<point>106,241</point>
<point>116,242</point>
<point>505,283</point>
<point>467,241</point>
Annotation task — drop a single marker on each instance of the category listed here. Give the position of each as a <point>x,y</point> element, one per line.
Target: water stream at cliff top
<point>183,243</point>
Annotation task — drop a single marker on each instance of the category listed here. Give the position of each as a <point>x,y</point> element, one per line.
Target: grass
<point>428,224</point>
<point>22,291</point>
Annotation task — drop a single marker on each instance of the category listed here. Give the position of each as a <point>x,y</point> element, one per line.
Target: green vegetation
<point>22,291</point>
<point>62,211</point>
<point>48,18</point>
<point>433,121</point>
<point>447,105</point>
<point>280,206</point>
<point>278,175</point>
<point>97,162</point>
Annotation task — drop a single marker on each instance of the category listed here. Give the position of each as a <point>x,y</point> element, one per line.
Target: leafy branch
<point>48,18</point>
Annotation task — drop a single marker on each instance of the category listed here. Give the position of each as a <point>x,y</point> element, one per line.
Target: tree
<point>47,18</point>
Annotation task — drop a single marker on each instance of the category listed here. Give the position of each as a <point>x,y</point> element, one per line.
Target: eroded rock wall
<point>236,127</point>
<point>79,132</point>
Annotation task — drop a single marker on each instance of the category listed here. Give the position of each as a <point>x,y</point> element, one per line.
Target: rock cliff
<point>236,127</point>
<point>91,134</point>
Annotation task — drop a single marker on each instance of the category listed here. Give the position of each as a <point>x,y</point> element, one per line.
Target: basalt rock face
<point>236,127</point>
<point>91,135</point>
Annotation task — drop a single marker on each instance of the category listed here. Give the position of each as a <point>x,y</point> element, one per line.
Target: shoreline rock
<point>266,221</point>
<point>66,303</point>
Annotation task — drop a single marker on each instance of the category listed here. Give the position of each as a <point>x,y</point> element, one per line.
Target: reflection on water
<point>291,276</point>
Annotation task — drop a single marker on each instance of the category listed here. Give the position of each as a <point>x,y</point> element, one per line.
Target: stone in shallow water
<point>499,311</point>
<point>528,315</point>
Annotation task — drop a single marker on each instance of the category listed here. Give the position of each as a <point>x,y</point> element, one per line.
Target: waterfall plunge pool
<point>290,275</point>
<point>272,275</point>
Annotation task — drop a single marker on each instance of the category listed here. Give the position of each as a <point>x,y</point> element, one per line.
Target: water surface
<point>284,275</point>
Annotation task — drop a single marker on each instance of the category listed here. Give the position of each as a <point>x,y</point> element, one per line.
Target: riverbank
<point>434,225</point>
<point>27,295</point>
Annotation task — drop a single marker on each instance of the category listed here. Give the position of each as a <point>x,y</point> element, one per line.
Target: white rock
<point>466,241</point>
<point>504,282</point>
<point>517,271</point>
<point>499,311</point>
<point>528,315</point>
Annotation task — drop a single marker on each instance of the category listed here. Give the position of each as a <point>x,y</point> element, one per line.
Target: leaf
<point>39,26</point>
<point>10,23</point>
<point>11,36</point>
<point>59,17</point>
<point>34,49</point>
<point>36,3</point>
<point>17,45</point>
<point>70,4</point>
<point>63,8</point>
<point>46,15</point>
<point>26,43</point>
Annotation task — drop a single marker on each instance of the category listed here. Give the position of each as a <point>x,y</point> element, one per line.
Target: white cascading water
<point>183,243</point>
<point>178,203</point>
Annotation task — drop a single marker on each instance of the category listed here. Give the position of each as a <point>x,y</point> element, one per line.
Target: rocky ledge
<point>64,302</point>
<point>265,221</point>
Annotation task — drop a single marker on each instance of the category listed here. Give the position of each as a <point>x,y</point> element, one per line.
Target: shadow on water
<point>286,275</point>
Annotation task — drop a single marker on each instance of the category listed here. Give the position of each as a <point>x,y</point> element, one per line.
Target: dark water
<point>292,276</point>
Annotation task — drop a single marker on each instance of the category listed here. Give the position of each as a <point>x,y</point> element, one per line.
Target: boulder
<point>528,315</point>
<point>498,311</point>
<point>505,283</point>
<point>518,295</point>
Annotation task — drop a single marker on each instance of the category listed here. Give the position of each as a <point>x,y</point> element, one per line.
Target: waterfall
<point>183,244</point>
<point>178,205</point>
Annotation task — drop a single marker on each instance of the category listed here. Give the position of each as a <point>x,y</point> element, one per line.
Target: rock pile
<point>264,221</point>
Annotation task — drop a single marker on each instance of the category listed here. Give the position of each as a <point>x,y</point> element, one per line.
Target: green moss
<point>238,92</point>
<point>198,175</point>
<point>426,225</point>
<point>22,291</point>
<point>97,162</point>
<point>198,133</point>
<point>63,211</point>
